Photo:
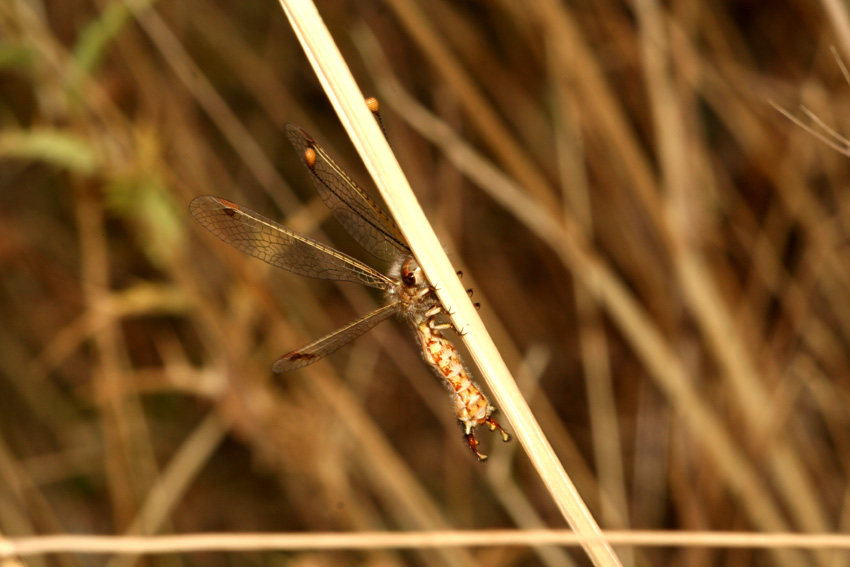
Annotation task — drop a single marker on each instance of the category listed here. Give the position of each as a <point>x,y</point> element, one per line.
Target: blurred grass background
<point>681,331</point>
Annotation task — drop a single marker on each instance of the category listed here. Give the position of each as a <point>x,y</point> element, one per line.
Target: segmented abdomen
<point>470,404</point>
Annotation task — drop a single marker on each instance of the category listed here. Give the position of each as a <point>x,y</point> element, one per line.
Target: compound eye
<point>410,272</point>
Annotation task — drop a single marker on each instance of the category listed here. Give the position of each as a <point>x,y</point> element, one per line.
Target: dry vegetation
<point>658,253</point>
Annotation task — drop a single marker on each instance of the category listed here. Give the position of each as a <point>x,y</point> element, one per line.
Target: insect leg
<point>473,444</point>
<point>493,424</point>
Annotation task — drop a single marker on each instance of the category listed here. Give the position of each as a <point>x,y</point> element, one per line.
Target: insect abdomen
<point>471,406</point>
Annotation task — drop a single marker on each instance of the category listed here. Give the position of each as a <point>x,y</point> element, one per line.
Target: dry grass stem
<point>25,547</point>
<point>348,101</point>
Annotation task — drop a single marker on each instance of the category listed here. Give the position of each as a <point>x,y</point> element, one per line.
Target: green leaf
<point>96,37</point>
<point>144,203</point>
<point>56,147</point>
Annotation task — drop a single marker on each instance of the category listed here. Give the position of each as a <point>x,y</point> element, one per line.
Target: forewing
<point>271,242</point>
<point>367,222</point>
<point>329,344</point>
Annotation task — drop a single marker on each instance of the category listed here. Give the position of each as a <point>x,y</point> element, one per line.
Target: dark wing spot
<point>299,356</point>
<point>230,207</point>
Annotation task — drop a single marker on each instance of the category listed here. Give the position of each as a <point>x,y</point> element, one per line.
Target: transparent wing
<point>271,242</point>
<point>331,343</point>
<point>367,222</point>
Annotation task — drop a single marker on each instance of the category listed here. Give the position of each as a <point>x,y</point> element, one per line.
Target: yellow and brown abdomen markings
<point>470,404</point>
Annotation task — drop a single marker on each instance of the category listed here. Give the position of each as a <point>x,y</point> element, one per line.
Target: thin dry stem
<point>25,547</point>
<point>376,154</point>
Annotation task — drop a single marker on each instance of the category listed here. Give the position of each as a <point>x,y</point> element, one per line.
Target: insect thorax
<point>411,289</point>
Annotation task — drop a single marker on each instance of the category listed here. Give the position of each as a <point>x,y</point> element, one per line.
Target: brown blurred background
<point>669,283</point>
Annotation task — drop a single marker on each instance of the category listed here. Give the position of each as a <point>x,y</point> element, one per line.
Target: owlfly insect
<point>407,293</point>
